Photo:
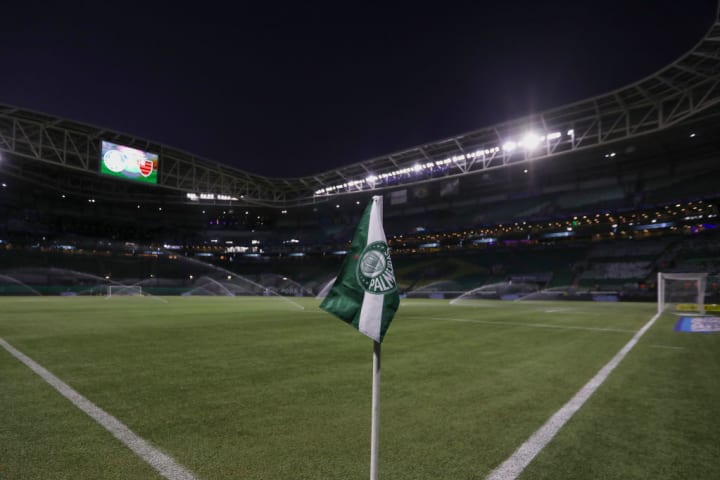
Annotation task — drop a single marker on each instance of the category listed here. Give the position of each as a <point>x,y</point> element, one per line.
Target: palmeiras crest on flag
<point>374,269</point>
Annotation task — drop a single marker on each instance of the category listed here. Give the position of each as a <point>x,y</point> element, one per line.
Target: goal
<point>124,290</point>
<point>682,288</point>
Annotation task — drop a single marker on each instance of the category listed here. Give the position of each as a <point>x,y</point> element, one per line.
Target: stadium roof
<point>684,91</point>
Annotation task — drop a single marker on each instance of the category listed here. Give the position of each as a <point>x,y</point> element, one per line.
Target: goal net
<point>124,290</point>
<point>682,289</point>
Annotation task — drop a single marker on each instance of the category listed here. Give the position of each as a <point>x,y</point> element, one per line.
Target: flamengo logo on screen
<point>374,269</point>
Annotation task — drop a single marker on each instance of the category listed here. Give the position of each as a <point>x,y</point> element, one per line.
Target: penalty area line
<point>511,468</point>
<point>162,463</point>
<point>533,325</point>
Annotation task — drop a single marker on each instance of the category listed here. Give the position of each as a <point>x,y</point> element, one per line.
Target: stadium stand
<point>614,191</point>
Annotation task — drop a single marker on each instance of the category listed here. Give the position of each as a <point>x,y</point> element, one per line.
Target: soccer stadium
<point>559,284</point>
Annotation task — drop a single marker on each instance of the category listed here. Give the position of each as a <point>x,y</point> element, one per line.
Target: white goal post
<point>123,290</point>
<point>681,288</point>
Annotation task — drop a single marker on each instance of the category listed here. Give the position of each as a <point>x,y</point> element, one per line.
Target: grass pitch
<point>253,388</point>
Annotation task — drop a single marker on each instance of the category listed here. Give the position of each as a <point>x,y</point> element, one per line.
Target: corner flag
<point>365,293</point>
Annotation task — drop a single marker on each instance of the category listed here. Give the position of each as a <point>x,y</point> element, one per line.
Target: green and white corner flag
<point>365,293</point>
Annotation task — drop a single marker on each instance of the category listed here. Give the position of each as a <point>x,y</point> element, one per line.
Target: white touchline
<point>511,468</point>
<point>533,325</point>
<point>164,464</point>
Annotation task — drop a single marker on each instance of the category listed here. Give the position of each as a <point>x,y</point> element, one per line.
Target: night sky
<point>291,91</point>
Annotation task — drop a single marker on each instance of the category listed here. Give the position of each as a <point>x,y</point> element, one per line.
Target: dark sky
<point>291,91</point>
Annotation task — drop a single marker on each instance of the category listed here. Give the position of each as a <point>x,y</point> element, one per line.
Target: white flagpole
<point>375,429</point>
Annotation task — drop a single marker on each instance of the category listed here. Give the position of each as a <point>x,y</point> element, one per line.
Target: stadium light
<point>509,146</point>
<point>531,140</point>
<point>528,142</point>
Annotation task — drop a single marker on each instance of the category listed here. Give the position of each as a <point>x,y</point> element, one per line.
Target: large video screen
<point>128,163</point>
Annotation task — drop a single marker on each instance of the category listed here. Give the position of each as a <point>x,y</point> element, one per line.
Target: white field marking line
<point>30,300</point>
<point>569,311</point>
<point>471,303</point>
<point>435,303</point>
<point>511,468</point>
<point>668,346</point>
<point>533,325</point>
<point>164,464</point>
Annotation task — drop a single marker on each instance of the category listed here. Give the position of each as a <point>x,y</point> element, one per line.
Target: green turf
<point>240,388</point>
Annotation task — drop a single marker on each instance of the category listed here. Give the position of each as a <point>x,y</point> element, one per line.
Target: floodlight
<point>530,141</point>
<point>509,146</point>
